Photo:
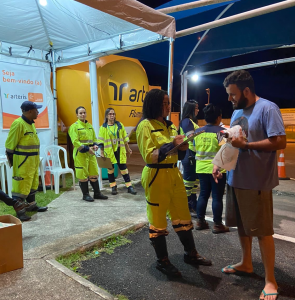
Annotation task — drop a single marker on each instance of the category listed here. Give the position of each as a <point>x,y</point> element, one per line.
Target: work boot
<point>85,191</point>
<point>114,190</point>
<point>20,209</point>
<point>202,224</point>
<point>219,228</point>
<point>191,255</point>
<point>33,205</point>
<point>194,258</point>
<point>97,193</point>
<point>163,263</point>
<point>131,190</point>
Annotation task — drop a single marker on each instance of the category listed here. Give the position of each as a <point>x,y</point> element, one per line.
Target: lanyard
<point>113,133</point>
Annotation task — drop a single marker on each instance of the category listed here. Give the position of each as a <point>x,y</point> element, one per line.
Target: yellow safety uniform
<point>24,144</point>
<point>114,138</point>
<point>191,182</point>
<point>207,146</point>
<point>161,179</point>
<point>83,136</point>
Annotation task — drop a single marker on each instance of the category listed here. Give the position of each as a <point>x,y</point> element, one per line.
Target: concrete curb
<point>83,247</point>
<point>92,287</point>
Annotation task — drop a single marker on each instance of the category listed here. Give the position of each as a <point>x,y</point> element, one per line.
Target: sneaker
<point>194,258</point>
<point>164,265</point>
<point>193,213</point>
<point>202,224</point>
<point>220,228</point>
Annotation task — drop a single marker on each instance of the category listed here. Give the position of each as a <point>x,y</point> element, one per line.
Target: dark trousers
<point>208,185</point>
<point>122,167</point>
<point>6,199</point>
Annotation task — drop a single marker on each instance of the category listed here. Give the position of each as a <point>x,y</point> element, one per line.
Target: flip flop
<point>236,272</point>
<point>271,294</point>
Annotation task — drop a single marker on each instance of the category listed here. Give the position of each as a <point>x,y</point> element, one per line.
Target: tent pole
<point>184,89</point>
<point>182,95</point>
<point>204,34</point>
<point>54,99</point>
<point>170,71</point>
<point>250,66</point>
<point>187,6</point>
<point>236,18</point>
<point>94,104</point>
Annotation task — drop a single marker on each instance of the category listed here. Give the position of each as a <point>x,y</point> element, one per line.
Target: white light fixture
<point>43,2</point>
<point>195,77</point>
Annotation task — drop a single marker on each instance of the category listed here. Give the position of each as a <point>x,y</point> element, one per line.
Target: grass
<point>41,198</point>
<point>73,260</point>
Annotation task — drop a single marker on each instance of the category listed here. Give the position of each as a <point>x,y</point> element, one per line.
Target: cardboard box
<point>11,245</point>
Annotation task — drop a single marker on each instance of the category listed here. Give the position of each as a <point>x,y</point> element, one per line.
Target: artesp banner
<point>19,83</point>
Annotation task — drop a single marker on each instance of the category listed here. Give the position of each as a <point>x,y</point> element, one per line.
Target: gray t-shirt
<point>257,170</point>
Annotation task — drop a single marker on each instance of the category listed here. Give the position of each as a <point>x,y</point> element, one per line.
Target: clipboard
<point>104,162</point>
<point>172,151</point>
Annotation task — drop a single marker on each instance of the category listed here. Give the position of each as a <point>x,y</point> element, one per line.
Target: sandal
<point>235,271</point>
<point>271,294</point>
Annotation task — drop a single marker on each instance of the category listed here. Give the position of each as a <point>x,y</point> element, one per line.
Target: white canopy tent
<point>55,33</point>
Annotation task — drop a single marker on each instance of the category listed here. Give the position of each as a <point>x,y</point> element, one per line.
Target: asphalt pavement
<point>130,270</point>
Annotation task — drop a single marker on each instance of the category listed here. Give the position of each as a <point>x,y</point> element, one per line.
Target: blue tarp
<point>259,33</point>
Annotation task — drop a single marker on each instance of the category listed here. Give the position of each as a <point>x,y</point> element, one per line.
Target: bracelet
<point>246,146</point>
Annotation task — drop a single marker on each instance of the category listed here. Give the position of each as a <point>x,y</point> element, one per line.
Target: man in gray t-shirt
<point>249,204</point>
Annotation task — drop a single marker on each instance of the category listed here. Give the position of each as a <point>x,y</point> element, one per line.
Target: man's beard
<point>242,103</point>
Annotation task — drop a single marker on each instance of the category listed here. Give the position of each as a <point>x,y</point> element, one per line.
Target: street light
<point>195,77</point>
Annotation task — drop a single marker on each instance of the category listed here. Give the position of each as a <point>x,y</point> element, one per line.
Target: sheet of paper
<point>174,150</point>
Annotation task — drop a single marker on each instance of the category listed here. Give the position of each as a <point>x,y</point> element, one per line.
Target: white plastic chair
<point>55,167</point>
<point>41,173</point>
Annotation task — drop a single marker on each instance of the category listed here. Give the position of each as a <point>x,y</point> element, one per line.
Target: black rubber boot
<point>191,255</point>
<point>85,191</point>
<point>131,190</point>
<point>20,207</point>
<point>114,190</point>
<point>163,263</point>
<point>97,193</point>
<point>33,205</point>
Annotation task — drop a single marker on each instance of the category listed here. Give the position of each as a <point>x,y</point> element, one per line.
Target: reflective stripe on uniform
<point>87,141</point>
<point>189,132</point>
<point>206,153</point>
<point>205,158</point>
<point>28,147</point>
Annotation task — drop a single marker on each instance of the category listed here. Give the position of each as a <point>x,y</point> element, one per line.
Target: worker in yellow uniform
<point>163,183</point>
<point>207,146</point>
<point>113,142</point>
<point>85,143</point>
<point>187,127</point>
<point>23,152</point>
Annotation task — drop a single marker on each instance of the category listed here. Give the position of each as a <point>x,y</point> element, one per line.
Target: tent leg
<point>94,105</point>
<point>170,71</point>
<point>54,99</point>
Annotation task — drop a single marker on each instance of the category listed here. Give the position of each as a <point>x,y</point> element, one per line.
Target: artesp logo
<point>135,114</point>
<point>134,95</point>
<point>6,95</point>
